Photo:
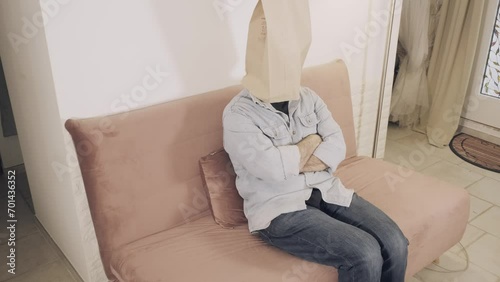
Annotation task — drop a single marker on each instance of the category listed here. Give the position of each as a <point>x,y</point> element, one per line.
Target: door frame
<point>474,118</point>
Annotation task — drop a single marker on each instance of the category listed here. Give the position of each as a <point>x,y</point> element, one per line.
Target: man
<point>284,155</point>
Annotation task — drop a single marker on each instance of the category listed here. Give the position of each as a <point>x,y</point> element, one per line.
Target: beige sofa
<point>153,220</point>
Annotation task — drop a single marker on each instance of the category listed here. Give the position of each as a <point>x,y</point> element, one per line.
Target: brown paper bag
<point>279,37</point>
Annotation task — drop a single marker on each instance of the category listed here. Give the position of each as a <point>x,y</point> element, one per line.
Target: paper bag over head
<point>279,37</point>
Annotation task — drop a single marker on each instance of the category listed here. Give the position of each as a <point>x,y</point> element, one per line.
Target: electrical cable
<point>446,270</point>
<point>443,269</point>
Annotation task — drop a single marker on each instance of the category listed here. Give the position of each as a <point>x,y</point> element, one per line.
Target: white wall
<point>97,61</point>
<point>101,52</point>
<point>29,79</point>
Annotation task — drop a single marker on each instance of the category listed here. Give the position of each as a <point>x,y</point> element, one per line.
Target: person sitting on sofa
<point>284,154</point>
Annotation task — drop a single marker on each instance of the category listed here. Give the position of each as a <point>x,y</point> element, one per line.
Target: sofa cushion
<point>431,213</point>
<point>202,251</point>
<point>219,178</point>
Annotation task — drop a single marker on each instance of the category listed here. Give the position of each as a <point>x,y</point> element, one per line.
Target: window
<point>491,78</point>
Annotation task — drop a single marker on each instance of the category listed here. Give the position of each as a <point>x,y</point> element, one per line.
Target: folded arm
<point>332,150</point>
<point>246,143</point>
<point>314,164</point>
<point>309,162</point>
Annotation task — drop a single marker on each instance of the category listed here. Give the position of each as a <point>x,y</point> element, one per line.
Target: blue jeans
<point>361,241</point>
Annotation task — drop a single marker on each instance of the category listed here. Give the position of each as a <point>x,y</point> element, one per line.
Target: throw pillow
<point>219,178</point>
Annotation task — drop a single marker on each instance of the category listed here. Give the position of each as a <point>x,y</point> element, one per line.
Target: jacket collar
<point>292,105</point>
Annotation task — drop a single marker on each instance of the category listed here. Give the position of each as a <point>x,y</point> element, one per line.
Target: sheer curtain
<point>450,68</point>
<point>410,89</point>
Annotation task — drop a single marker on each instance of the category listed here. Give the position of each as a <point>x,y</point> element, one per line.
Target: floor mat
<point>476,151</point>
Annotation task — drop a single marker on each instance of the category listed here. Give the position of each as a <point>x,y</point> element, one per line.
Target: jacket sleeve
<point>249,147</point>
<point>332,150</point>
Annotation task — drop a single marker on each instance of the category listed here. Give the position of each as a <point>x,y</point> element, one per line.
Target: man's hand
<point>307,147</point>
<point>314,164</point>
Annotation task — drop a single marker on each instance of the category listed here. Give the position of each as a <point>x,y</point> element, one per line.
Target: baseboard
<point>480,130</point>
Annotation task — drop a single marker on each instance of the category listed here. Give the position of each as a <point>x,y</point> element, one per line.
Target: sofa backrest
<point>140,168</point>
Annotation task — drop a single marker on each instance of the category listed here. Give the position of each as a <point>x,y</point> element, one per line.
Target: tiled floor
<point>482,236</point>
<point>40,260</point>
<point>37,257</point>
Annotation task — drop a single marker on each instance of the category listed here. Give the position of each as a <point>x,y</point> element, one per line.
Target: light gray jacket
<point>261,144</point>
